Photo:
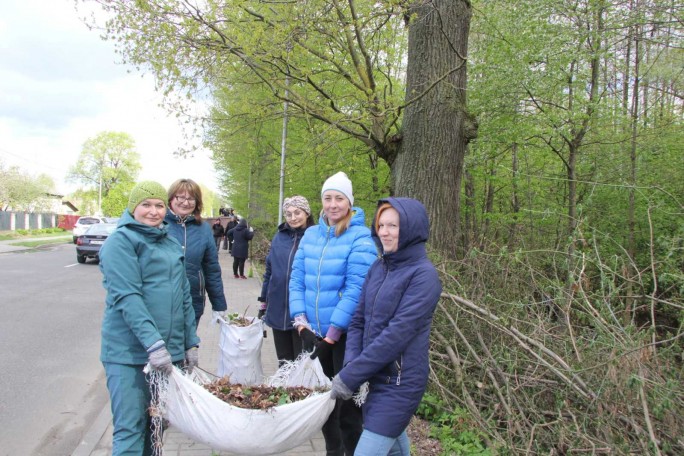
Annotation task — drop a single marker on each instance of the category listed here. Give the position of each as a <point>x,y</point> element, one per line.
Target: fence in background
<point>11,221</point>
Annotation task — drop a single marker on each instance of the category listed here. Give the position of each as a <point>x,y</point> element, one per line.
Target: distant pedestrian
<point>240,237</point>
<point>148,313</point>
<point>228,241</point>
<point>195,236</point>
<point>275,308</point>
<point>218,231</point>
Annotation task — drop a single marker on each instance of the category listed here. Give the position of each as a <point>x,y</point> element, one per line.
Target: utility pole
<point>283,148</point>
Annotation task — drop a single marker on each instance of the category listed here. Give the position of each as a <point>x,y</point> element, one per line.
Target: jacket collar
<point>406,255</point>
<point>358,218</point>
<point>171,217</point>
<point>131,223</point>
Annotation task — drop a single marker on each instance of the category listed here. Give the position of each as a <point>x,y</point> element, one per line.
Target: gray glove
<point>160,358</point>
<point>339,390</point>
<point>191,359</point>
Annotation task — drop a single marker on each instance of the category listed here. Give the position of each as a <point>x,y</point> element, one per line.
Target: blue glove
<point>339,390</point>
<point>309,339</point>
<point>323,349</point>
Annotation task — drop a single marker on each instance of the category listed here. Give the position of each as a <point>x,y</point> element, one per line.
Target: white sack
<point>240,356</point>
<point>207,419</point>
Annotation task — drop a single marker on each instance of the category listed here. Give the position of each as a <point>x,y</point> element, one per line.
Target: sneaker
<point>236,276</point>
<point>243,277</point>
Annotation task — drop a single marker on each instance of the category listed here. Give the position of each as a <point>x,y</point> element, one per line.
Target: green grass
<point>43,242</point>
<point>28,234</point>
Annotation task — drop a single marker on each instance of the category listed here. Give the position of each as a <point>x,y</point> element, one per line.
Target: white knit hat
<point>341,183</point>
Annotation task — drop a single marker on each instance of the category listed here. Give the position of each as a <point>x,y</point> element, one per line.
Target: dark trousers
<point>218,241</point>
<point>239,265</point>
<point>345,424</point>
<point>288,345</point>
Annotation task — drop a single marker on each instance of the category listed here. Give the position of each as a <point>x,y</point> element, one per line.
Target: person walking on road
<point>327,274</point>
<point>389,336</point>
<point>184,218</point>
<point>274,298</point>
<point>148,315</point>
<point>240,237</point>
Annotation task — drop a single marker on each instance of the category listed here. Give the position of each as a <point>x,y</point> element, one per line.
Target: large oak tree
<point>340,62</point>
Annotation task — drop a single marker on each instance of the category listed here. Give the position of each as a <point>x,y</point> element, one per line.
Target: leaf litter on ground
<point>256,397</point>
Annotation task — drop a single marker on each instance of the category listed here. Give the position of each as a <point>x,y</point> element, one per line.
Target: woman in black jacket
<point>240,236</point>
<point>274,297</point>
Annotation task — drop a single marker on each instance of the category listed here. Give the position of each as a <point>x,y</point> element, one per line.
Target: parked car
<point>88,245</point>
<point>83,223</point>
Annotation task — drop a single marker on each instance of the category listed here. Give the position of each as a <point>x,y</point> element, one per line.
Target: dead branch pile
<point>565,375</point>
<point>259,397</point>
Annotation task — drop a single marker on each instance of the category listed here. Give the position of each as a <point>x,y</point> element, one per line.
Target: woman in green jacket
<point>148,315</point>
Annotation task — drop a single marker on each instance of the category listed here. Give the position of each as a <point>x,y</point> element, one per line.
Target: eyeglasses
<point>290,215</point>
<point>183,199</point>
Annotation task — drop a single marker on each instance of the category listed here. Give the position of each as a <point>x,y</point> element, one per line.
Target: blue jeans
<point>372,444</point>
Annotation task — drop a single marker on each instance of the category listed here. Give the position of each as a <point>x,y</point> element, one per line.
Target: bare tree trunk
<point>629,301</point>
<point>631,210</point>
<point>470,219</point>
<point>515,202</point>
<point>489,206</point>
<point>437,128</point>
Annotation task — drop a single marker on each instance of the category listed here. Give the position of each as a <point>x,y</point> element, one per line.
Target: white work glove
<point>159,357</point>
<point>217,316</point>
<point>191,359</point>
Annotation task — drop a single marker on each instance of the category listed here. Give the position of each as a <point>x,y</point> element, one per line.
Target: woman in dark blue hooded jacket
<point>388,338</point>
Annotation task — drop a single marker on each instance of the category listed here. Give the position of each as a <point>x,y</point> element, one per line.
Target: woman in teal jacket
<point>148,315</point>
<point>327,275</point>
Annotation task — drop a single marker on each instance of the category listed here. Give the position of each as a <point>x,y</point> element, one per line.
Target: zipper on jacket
<point>318,277</point>
<point>400,362</point>
<point>293,250</point>
<point>185,236</point>
<point>375,298</point>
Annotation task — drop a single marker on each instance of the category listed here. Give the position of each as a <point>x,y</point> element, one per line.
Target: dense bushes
<point>547,365</point>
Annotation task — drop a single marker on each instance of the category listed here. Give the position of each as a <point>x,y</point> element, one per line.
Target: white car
<point>83,223</point>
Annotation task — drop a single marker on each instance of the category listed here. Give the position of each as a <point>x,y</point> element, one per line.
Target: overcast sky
<point>60,85</point>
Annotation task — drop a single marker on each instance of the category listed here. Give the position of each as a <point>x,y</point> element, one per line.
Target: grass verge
<point>43,242</point>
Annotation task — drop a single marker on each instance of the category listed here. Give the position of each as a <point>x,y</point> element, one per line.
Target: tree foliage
<point>21,191</point>
<point>337,63</point>
<point>106,161</point>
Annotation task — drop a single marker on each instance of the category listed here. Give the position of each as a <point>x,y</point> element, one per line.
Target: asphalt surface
<point>52,385</point>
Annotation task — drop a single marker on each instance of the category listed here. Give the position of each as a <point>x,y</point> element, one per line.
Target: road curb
<point>94,434</point>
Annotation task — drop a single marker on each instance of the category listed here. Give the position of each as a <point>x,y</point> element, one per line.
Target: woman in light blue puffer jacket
<point>327,275</point>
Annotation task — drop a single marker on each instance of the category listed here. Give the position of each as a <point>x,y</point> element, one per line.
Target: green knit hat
<point>146,190</point>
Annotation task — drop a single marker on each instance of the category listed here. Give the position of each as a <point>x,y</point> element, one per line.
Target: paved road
<point>51,384</point>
